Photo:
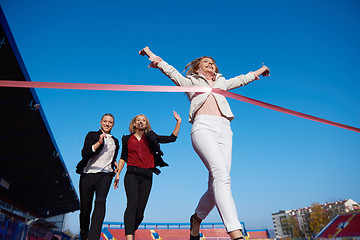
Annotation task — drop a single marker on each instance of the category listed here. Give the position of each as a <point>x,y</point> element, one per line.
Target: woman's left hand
<point>266,71</point>
<point>116,181</point>
<point>145,51</point>
<point>177,116</point>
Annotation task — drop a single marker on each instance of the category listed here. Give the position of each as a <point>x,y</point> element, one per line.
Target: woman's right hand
<point>152,57</point>
<point>102,138</point>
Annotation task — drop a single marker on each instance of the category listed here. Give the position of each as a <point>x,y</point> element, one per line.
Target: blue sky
<point>279,161</point>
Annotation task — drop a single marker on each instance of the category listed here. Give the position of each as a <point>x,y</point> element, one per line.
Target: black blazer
<point>154,144</point>
<point>87,152</point>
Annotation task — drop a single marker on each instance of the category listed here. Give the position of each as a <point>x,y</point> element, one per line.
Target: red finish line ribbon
<point>107,87</point>
<point>146,88</point>
<point>281,109</point>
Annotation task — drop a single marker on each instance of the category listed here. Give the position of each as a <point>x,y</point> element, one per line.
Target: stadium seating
<point>259,234</point>
<point>118,234</point>
<point>353,227</point>
<point>333,227</point>
<point>347,225</point>
<point>173,231</point>
<point>165,234</point>
<point>215,233</point>
<point>173,234</point>
<point>143,234</point>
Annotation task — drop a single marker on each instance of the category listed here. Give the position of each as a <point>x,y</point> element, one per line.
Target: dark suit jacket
<point>87,152</point>
<point>154,144</point>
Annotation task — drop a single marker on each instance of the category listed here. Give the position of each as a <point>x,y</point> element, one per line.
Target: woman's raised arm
<point>264,71</point>
<point>178,123</point>
<point>152,57</point>
<point>168,70</point>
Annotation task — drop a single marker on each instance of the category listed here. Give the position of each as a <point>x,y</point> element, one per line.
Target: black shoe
<point>191,226</point>
<point>194,238</point>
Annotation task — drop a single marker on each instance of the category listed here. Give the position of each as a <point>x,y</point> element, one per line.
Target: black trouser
<point>138,182</point>
<point>91,183</point>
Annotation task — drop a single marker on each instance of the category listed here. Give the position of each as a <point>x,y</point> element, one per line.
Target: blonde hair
<point>109,115</point>
<point>194,65</point>
<point>132,128</point>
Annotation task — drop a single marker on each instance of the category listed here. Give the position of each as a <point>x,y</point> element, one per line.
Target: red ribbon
<point>146,88</point>
<point>108,87</point>
<point>281,109</point>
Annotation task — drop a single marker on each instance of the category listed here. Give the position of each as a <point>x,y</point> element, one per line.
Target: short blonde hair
<point>194,65</point>
<point>132,129</point>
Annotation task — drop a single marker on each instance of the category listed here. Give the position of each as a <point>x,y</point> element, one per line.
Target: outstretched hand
<point>177,116</point>
<point>145,51</point>
<point>266,72</point>
<point>178,123</point>
<point>152,57</point>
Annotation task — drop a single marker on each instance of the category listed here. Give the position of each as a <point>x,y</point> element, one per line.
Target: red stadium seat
<point>347,225</point>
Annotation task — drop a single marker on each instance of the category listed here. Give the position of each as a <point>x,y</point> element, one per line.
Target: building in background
<point>278,219</point>
<point>282,220</point>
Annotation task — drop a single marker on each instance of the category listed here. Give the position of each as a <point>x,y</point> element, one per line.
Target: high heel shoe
<point>191,226</point>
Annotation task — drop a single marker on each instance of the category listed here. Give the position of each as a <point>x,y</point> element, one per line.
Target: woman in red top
<point>141,151</point>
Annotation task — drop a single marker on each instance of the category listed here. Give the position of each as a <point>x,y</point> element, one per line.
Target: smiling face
<point>194,66</point>
<point>107,123</point>
<point>140,123</point>
<point>208,66</point>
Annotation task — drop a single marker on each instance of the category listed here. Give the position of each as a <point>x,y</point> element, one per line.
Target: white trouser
<point>212,140</point>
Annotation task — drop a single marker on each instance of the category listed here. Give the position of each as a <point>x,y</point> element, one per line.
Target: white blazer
<point>197,99</point>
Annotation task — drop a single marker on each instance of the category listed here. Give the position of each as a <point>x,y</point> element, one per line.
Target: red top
<point>139,153</point>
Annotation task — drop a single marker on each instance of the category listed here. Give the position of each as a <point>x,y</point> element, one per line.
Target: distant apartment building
<point>280,225</point>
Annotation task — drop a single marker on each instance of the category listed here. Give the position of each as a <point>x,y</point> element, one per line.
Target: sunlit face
<point>140,123</point>
<point>208,66</point>
<point>107,123</point>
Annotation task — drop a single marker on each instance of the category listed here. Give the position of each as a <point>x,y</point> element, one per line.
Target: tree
<point>296,231</point>
<point>306,224</point>
<point>286,227</point>
<point>318,218</point>
<point>291,227</point>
